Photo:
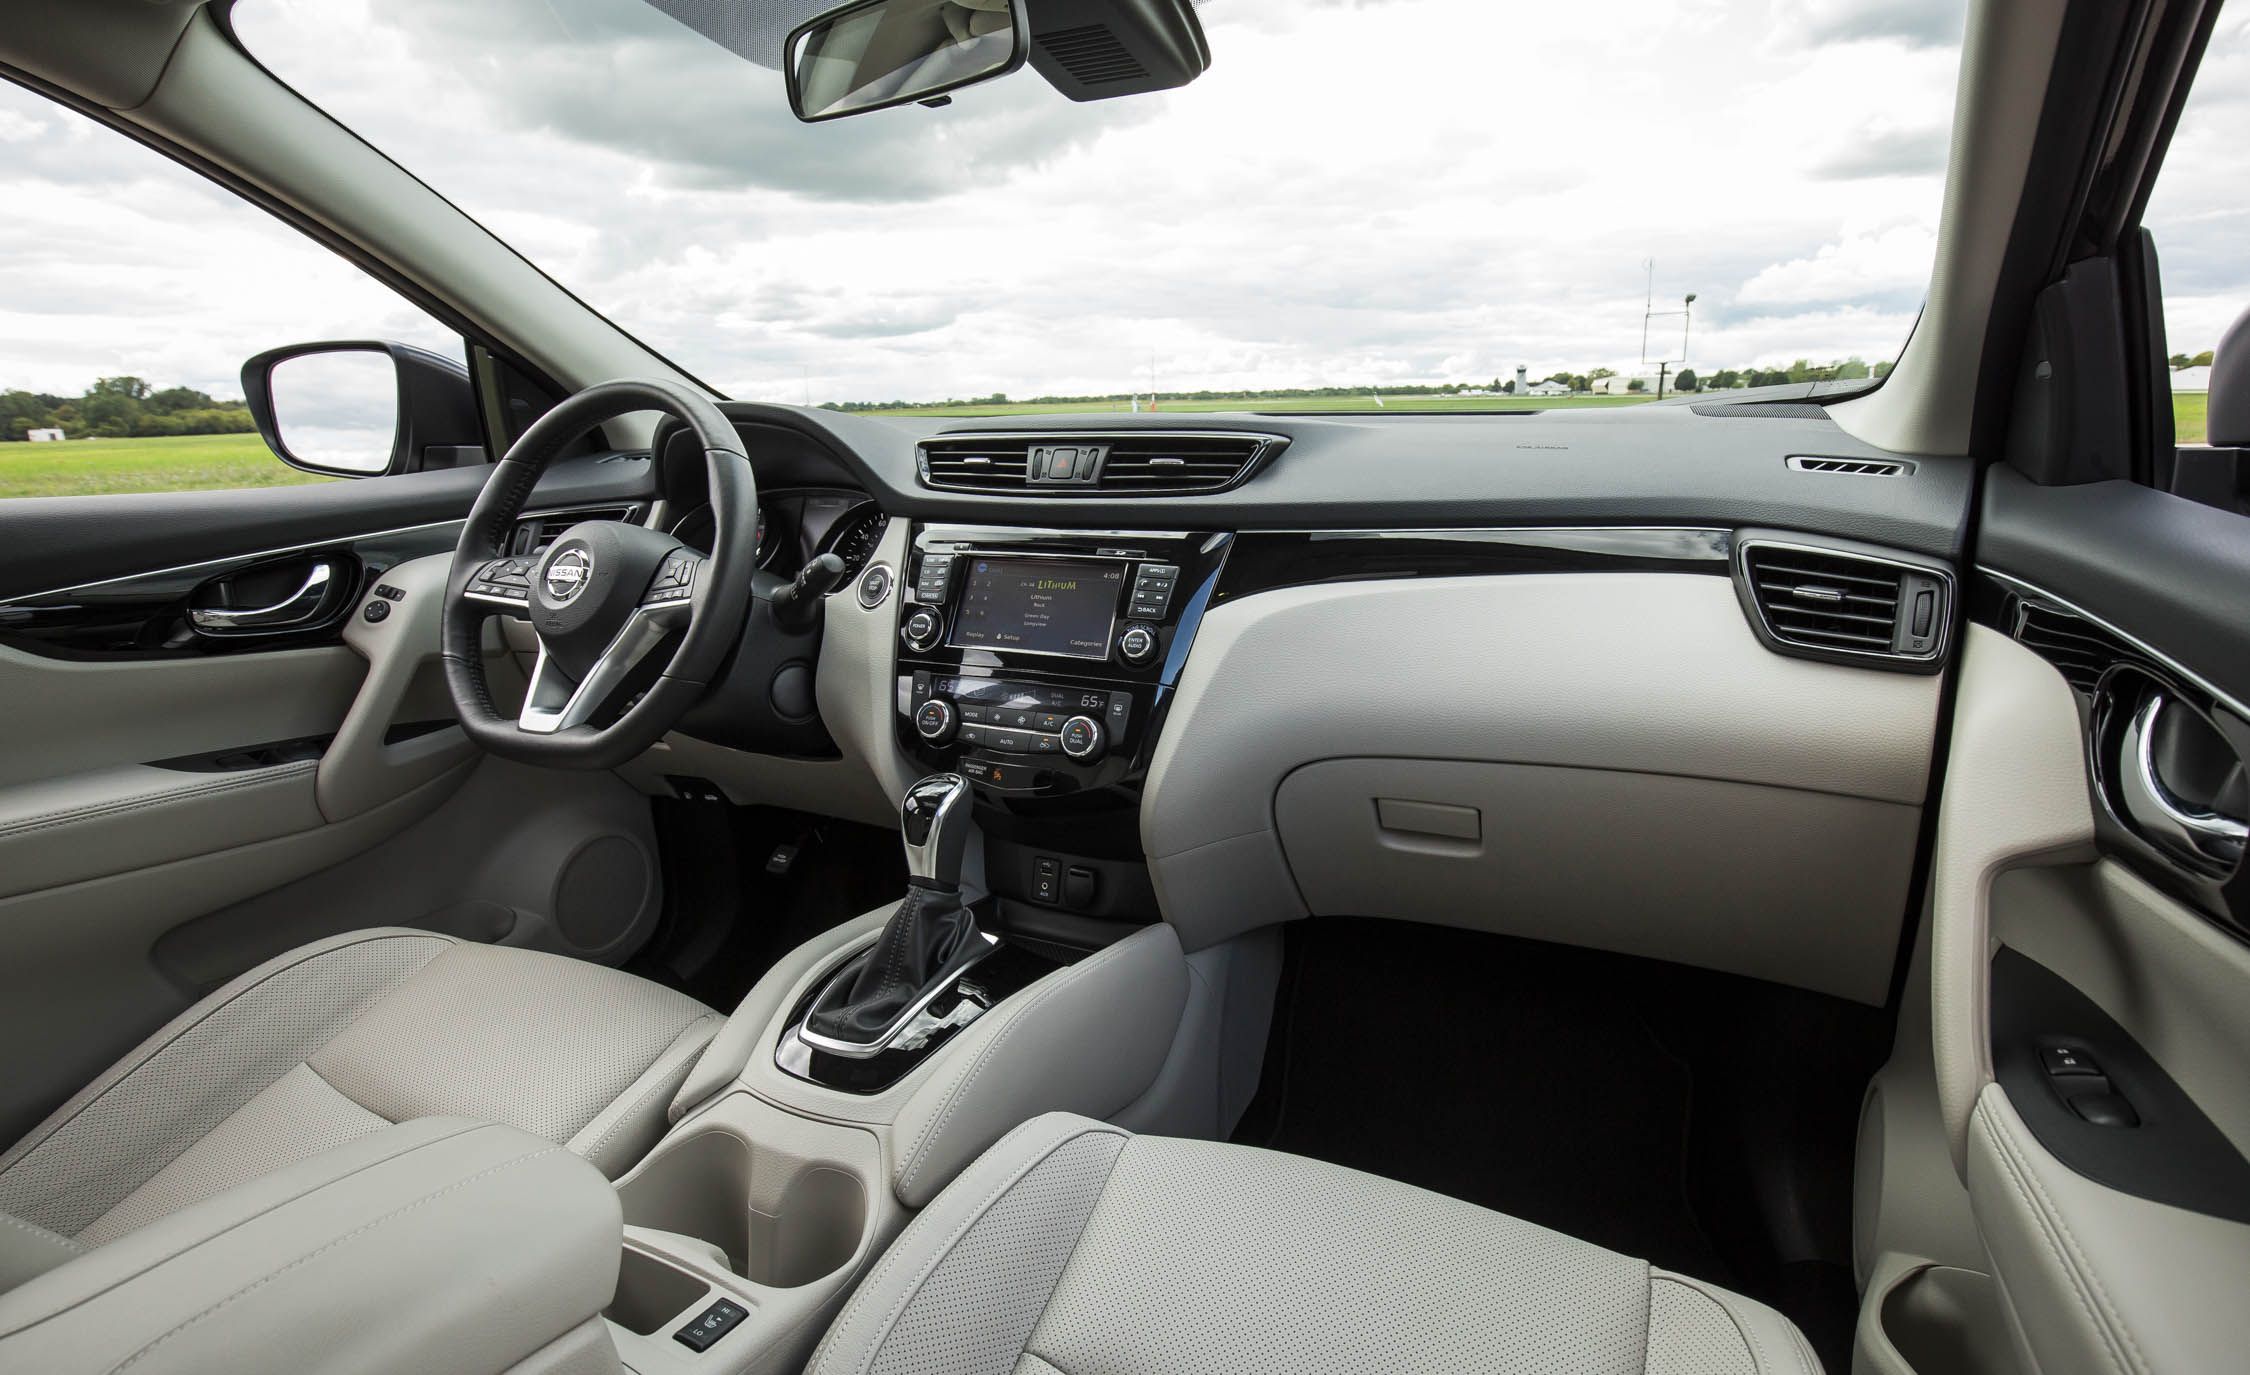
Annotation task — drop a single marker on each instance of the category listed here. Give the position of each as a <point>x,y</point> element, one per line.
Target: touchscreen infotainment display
<point>1040,606</point>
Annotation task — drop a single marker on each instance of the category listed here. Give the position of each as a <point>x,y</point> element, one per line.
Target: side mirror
<point>873,54</point>
<point>363,408</point>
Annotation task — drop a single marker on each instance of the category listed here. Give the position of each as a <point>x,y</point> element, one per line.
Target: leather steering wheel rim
<point>717,613</point>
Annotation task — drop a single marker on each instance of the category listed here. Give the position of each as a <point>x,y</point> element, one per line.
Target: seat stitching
<point>594,1151</point>
<point>1750,1342</point>
<point>984,1058</point>
<point>465,1128</point>
<point>102,810</point>
<point>44,1233</point>
<point>2075,1262</point>
<point>315,1254</point>
<point>895,1257</point>
<point>122,1071</point>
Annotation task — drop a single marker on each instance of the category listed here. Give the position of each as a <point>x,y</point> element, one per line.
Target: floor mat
<point>1562,1086</point>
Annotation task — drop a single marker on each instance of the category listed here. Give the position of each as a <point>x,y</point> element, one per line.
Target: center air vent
<point>1830,604</point>
<point>1123,463</point>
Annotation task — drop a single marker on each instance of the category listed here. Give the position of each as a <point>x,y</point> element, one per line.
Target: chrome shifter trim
<point>855,1050</point>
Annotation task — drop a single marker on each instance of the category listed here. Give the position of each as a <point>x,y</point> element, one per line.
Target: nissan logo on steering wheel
<point>567,575</point>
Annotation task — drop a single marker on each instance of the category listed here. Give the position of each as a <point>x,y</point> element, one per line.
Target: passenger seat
<point>1072,1247</point>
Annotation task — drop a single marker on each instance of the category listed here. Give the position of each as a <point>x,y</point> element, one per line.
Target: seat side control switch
<point>715,1322</point>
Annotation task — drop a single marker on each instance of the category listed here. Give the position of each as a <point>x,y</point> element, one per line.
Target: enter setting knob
<point>1082,737</point>
<point>1137,644</point>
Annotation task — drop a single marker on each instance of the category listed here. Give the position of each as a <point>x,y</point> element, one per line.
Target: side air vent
<point>1125,463</point>
<point>1831,604</point>
<point>1092,54</point>
<point>1850,467</point>
<point>2080,650</point>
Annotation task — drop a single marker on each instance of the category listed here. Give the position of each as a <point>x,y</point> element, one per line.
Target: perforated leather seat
<point>1073,1247</point>
<point>332,1042</point>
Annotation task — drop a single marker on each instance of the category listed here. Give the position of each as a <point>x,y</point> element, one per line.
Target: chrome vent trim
<point>536,530</point>
<point>1843,604</point>
<point>1151,463</point>
<point>1850,467</point>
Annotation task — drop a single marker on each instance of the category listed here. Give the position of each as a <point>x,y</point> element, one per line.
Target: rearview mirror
<point>873,54</point>
<point>362,408</point>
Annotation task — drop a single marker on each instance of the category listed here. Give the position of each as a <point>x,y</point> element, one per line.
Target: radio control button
<point>1137,645</point>
<point>921,630</point>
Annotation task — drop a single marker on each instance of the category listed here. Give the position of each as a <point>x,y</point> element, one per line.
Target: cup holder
<point>781,1220</point>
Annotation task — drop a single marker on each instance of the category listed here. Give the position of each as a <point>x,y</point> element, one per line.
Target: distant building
<point>1522,386</point>
<point>1550,388</point>
<point>1618,386</point>
<point>44,436</point>
<point>2192,379</point>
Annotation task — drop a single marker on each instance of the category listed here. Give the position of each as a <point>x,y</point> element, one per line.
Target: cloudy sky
<point>1359,192</point>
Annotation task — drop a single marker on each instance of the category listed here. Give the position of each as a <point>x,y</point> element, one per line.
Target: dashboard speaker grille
<point>1843,604</point>
<point>1130,463</point>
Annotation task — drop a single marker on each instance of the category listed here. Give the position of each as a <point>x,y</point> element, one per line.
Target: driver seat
<point>334,1041</point>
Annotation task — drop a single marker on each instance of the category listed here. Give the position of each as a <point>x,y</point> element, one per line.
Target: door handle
<point>299,608</point>
<point>2197,832</point>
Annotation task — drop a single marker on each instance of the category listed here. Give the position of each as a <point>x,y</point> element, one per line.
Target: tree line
<point>122,408</point>
<point>1725,379</point>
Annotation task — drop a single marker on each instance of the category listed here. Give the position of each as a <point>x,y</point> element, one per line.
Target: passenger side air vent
<point>1125,463</point>
<point>1849,467</point>
<point>1092,54</point>
<point>2080,650</point>
<point>1850,607</point>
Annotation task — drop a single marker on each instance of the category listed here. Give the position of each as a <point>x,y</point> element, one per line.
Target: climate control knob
<point>921,630</point>
<point>1137,645</point>
<point>1082,738</point>
<point>934,721</point>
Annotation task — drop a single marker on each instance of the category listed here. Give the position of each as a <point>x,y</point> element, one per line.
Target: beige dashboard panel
<point>1732,876</point>
<point>1654,680</point>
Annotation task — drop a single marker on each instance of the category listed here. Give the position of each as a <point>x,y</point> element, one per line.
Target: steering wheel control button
<point>1137,645</point>
<point>375,611</point>
<point>874,585</point>
<point>934,721</point>
<point>922,630</point>
<point>1082,737</point>
<point>713,1323</point>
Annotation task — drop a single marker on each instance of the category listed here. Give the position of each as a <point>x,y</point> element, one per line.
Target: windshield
<point>1413,204</point>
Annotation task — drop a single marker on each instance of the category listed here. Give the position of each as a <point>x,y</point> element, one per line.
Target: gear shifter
<point>926,940</point>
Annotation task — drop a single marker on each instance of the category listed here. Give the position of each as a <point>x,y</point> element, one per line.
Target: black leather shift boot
<point>924,938</point>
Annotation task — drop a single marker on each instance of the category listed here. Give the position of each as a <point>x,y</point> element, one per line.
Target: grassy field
<point>183,463</point>
<point>85,467</point>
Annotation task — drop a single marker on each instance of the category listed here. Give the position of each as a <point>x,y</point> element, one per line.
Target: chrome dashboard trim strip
<point>1682,542</point>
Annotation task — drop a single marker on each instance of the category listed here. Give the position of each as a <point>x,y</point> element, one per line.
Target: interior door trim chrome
<point>2155,656</point>
<point>295,611</point>
<point>2205,836</point>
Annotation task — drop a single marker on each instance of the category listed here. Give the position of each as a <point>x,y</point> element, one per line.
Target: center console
<point>1036,663</point>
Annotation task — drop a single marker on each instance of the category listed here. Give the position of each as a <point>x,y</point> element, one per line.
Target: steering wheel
<point>603,598</point>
